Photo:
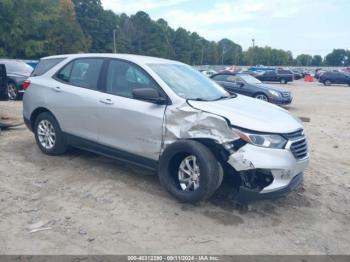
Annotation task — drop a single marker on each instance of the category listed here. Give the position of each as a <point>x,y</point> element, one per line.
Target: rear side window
<point>285,72</point>
<point>83,72</point>
<point>45,65</point>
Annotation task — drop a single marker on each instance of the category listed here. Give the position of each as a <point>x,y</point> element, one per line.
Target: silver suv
<point>166,116</point>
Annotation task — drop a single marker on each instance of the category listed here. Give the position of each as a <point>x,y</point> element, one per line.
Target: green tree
<point>303,60</point>
<point>316,60</point>
<point>230,52</point>
<point>338,57</point>
<point>66,35</point>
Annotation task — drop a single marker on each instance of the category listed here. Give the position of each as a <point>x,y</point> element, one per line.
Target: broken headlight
<point>263,140</point>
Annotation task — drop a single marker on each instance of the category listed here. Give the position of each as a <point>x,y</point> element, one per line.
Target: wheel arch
<point>37,112</point>
<point>261,93</point>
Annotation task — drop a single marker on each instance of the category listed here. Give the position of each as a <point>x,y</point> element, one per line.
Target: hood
<point>250,113</point>
<point>276,88</point>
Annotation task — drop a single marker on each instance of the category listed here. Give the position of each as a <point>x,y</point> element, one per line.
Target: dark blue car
<point>250,86</point>
<point>329,78</point>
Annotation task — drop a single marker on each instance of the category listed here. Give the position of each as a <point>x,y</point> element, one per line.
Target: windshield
<point>188,83</point>
<point>18,67</point>
<point>250,79</point>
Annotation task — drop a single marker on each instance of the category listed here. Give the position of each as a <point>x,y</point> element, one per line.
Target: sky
<point>301,26</point>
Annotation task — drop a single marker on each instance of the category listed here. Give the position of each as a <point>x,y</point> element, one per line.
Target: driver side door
<point>130,126</point>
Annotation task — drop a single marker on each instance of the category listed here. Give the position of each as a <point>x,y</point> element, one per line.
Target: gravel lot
<point>90,204</point>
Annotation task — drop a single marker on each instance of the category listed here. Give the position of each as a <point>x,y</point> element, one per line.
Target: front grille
<point>299,148</point>
<point>298,144</point>
<point>294,135</point>
<point>285,94</point>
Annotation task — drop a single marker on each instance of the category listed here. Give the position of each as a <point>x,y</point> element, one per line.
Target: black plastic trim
<point>246,195</point>
<point>118,154</point>
<point>28,123</point>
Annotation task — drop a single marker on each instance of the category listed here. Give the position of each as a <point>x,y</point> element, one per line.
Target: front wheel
<point>189,171</point>
<point>261,97</point>
<point>48,135</point>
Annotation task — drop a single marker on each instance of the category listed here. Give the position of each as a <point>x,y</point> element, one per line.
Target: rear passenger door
<point>125,123</point>
<point>74,97</point>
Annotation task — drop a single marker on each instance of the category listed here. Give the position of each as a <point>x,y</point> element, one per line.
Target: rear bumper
<point>27,123</point>
<point>247,195</point>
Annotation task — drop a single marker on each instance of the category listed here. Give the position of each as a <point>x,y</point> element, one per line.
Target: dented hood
<point>251,113</point>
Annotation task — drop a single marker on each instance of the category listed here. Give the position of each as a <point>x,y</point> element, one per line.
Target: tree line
<point>35,28</point>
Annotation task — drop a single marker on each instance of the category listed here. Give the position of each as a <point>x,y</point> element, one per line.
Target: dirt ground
<point>88,204</point>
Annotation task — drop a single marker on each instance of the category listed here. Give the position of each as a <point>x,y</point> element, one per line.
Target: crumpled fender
<point>186,122</point>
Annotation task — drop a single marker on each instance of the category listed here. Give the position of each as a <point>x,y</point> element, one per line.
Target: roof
<point>130,57</point>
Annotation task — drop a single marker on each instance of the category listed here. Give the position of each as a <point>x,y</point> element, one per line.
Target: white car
<point>166,116</point>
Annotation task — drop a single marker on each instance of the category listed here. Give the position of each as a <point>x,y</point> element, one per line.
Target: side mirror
<point>149,95</point>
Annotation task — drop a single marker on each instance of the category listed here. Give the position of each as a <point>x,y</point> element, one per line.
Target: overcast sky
<point>301,26</point>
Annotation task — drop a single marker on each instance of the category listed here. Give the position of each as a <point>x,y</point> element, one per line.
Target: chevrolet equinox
<point>166,116</point>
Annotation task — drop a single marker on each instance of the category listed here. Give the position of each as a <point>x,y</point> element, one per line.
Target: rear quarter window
<point>45,65</point>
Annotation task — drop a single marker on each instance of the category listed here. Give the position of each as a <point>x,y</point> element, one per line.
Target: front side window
<point>82,72</point>
<point>123,78</point>
<point>187,82</point>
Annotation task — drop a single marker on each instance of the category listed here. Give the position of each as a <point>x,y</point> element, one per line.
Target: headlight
<point>274,93</point>
<point>269,141</point>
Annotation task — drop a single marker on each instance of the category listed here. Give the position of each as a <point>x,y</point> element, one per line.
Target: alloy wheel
<point>11,91</point>
<point>262,97</point>
<point>46,134</point>
<point>189,174</point>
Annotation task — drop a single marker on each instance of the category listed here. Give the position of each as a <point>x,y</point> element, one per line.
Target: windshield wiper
<point>225,97</point>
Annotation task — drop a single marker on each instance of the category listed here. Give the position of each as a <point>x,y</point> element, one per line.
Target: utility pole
<point>202,55</point>
<point>253,40</point>
<point>115,40</point>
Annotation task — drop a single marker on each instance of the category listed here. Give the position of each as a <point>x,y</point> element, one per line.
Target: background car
<point>17,72</point>
<point>250,86</point>
<point>334,77</point>
<point>208,73</point>
<point>297,74</point>
<point>279,75</point>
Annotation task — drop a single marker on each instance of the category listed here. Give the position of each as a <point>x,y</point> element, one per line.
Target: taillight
<point>26,84</point>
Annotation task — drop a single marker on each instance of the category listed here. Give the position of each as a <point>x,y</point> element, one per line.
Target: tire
<point>261,96</point>
<point>47,125</point>
<point>327,82</point>
<point>283,81</point>
<point>12,91</point>
<point>174,156</point>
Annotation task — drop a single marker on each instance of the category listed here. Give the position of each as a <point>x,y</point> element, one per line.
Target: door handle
<point>57,89</point>
<point>107,101</point>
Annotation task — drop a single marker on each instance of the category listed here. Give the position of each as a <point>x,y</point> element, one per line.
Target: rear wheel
<point>48,135</point>
<point>327,82</point>
<point>261,96</point>
<point>12,91</point>
<point>189,171</point>
<point>283,81</point>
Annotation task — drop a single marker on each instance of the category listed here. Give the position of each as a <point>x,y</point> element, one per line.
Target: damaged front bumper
<point>265,172</point>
